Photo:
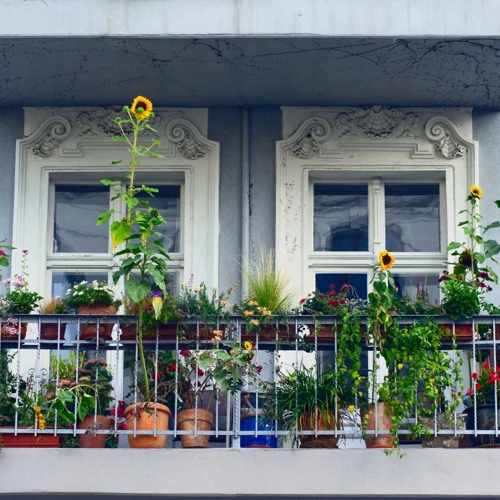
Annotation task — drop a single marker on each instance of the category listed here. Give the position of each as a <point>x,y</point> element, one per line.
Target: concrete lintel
<point>431,472</point>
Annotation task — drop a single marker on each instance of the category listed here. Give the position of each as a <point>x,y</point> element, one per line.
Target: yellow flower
<point>400,366</point>
<point>113,241</point>
<point>197,288</point>
<point>157,304</point>
<point>476,191</point>
<point>232,352</point>
<point>248,313</point>
<point>386,260</point>
<point>248,346</point>
<point>252,303</point>
<point>351,408</point>
<point>141,107</point>
<point>37,410</point>
<point>254,322</point>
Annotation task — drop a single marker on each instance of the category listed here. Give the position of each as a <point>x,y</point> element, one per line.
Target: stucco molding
<point>377,123</point>
<point>305,142</point>
<point>48,136</point>
<point>188,139</point>
<point>447,140</point>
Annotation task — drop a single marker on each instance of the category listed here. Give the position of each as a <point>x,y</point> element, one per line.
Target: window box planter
<point>28,440</point>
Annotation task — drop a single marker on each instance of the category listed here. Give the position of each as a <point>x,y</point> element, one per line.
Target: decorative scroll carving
<point>53,131</point>
<point>305,143</point>
<point>188,140</point>
<point>102,121</point>
<point>377,123</point>
<point>441,130</point>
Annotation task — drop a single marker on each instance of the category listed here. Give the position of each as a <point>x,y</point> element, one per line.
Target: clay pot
<point>144,416</point>
<point>165,332</point>
<point>383,423</point>
<point>49,331</point>
<point>90,440</point>
<point>462,331</point>
<point>28,440</point>
<point>186,422</point>
<point>10,330</point>
<point>307,422</point>
<point>88,330</point>
<point>268,332</point>
<point>189,332</point>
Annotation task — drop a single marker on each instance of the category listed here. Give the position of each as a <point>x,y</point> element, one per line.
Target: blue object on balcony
<point>259,441</point>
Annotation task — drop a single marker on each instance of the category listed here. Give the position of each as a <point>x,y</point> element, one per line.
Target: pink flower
<point>470,392</point>
<point>2,252</point>
<point>7,280</point>
<point>25,252</point>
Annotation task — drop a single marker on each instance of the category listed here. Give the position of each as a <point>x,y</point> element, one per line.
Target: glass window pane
<point>412,219</point>
<point>325,282</point>
<point>168,202</point>
<point>340,218</point>
<point>418,286</point>
<point>75,216</point>
<point>62,281</point>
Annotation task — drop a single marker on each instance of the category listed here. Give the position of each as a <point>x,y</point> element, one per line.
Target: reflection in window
<point>168,202</point>
<point>75,215</point>
<point>326,282</point>
<point>415,286</point>
<point>63,281</point>
<point>412,217</point>
<point>340,218</point>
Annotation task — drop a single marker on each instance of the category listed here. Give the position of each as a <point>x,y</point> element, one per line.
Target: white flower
<point>83,282</point>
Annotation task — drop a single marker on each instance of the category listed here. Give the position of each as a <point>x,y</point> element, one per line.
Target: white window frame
<point>348,143</point>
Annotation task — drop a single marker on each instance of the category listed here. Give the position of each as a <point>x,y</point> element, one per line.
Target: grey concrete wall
<point>486,126</point>
<point>384,18</point>
<point>11,128</point>
<point>431,472</point>
<point>224,126</point>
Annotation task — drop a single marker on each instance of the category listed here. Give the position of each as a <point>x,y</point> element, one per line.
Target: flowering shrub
<point>84,294</point>
<point>4,257</point>
<point>332,303</point>
<point>485,384</point>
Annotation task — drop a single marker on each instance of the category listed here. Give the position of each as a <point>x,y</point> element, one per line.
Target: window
<point>403,215</point>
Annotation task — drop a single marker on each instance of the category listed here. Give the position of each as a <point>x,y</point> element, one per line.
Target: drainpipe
<point>245,190</point>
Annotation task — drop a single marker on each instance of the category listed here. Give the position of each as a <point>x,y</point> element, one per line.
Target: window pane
<point>340,218</point>
<point>75,216</point>
<point>359,282</point>
<point>418,286</point>
<point>62,281</point>
<point>412,218</point>
<point>168,202</point>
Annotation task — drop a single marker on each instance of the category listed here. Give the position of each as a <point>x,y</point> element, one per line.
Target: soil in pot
<point>89,424</point>
<point>186,421</point>
<point>28,440</point>
<point>380,421</point>
<point>10,330</point>
<point>485,422</point>
<point>307,422</point>
<point>88,330</point>
<point>144,417</point>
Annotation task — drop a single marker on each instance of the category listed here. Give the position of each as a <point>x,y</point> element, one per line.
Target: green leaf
<point>116,162</point>
<point>493,225</point>
<point>104,217</point>
<point>119,138</point>
<point>137,291</point>
<point>453,246</point>
<point>497,203</point>
<point>121,230</point>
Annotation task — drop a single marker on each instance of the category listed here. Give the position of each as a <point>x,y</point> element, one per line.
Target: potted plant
<point>19,299</point>
<point>4,256</point>
<point>221,369</point>
<point>93,299</point>
<point>206,308</point>
<point>257,422</point>
<point>309,400</point>
<point>480,405</point>
<point>53,329</point>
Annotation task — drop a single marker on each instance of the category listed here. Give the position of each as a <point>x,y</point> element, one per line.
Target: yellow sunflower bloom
<point>351,408</point>
<point>476,192</point>
<point>141,107</point>
<point>248,346</point>
<point>386,260</point>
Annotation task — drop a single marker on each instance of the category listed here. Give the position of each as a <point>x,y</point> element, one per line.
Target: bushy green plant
<point>461,299</point>
<point>91,294</point>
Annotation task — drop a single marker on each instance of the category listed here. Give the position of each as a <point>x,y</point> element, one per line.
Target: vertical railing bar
<point>375,388</point>
<point>495,372</point>
<point>257,386</point>
<point>474,383</point>
<point>38,367</point>
<point>136,368</point>
<point>196,378</point>
<point>117,363</point>
<point>296,391</point>
<point>217,393</point>
<point>77,359</point>
<point>315,382</point>
<point>155,422</point>
<point>176,390</point>
<point>58,361</point>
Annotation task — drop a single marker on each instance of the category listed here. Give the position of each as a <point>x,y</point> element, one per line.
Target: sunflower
<point>476,192</point>
<point>466,258</point>
<point>386,260</point>
<point>248,346</point>
<point>141,107</point>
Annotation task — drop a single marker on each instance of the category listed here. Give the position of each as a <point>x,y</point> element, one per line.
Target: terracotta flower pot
<point>49,331</point>
<point>186,422</point>
<point>268,332</point>
<point>88,330</point>
<point>90,440</point>
<point>307,422</point>
<point>463,332</point>
<point>144,417</point>
<point>10,330</point>
<point>165,332</point>
<point>383,423</point>
<point>28,440</point>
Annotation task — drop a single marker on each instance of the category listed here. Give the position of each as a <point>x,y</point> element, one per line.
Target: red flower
<point>122,426</point>
<point>157,375</point>
<point>259,369</point>
<point>478,387</point>
<point>342,302</point>
<point>493,377</point>
<point>172,367</point>
<point>200,372</point>
<point>484,274</point>
<point>333,303</point>
<point>185,353</point>
<point>332,286</point>
<point>121,409</point>
<point>486,365</point>
<point>475,376</point>
<point>301,301</point>
<point>470,392</point>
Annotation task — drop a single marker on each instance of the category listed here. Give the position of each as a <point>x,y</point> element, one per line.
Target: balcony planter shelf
<point>28,440</point>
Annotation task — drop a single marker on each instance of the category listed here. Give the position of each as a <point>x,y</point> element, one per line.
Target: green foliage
<point>54,305</point>
<point>4,257</point>
<point>461,299</point>
<point>332,303</point>
<point>95,293</point>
